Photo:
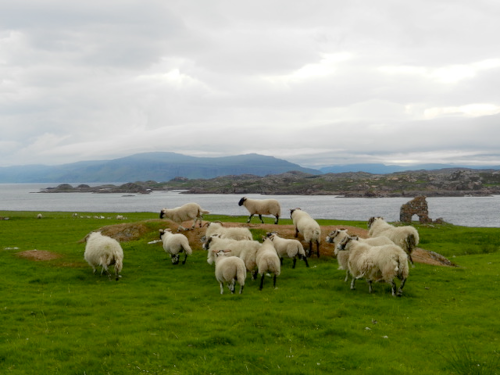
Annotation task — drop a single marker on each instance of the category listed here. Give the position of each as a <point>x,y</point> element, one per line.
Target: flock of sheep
<point>382,257</point>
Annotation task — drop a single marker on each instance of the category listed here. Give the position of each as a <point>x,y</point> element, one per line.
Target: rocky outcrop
<point>417,206</point>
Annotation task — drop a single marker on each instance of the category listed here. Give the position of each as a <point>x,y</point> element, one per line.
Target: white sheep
<point>261,207</point>
<point>337,235</point>
<point>309,228</point>
<point>268,261</point>
<point>289,247</point>
<point>406,236</point>
<point>244,249</point>
<point>235,233</point>
<point>229,269</point>
<point>39,216</point>
<point>189,211</point>
<point>104,251</point>
<point>175,244</point>
<point>376,263</point>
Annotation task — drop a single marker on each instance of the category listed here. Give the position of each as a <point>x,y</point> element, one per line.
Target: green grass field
<point>56,317</point>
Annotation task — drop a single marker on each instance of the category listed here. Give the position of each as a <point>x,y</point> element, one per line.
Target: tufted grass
<point>57,317</point>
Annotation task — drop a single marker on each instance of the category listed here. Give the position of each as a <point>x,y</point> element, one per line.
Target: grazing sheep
<point>229,269</point>
<point>104,251</point>
<point>376,263</point>
<point>235,233</point>
<point>291,248</point>
<point>338,235</point>
<point>39,216</point>
<point>268,261</point>
<point>406,237</point>
<point>175,244</point>
<point>189,211</point>
<point>244,249</point>
<point>261,207</point>
<point>309,228</point>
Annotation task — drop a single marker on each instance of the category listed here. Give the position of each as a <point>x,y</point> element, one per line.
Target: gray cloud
<point>316,83</point>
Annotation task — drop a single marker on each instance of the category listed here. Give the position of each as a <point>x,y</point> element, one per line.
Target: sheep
<point>103,251</point>
<point>309,228</point>
<point>244,249</point>
<point>39,216</point>
<point>376,263</point>
<point>268,261</point>
<point>235,233</point>
<point>288,247</point>
<point>175,244</point>
<point>261,207</point>
<point>229,269</point>
<point>406,236</point>
<point>189,211</point>
<point>338,235</point>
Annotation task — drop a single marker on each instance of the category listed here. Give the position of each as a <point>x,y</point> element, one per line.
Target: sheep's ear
<point>356,238</point>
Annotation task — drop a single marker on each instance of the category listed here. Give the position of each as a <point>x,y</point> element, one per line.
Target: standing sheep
<point>104,251</point>
<point>235,233</point>
<point>406,236</point>
<point>189,211</point>
<point>291,248</point>
<point>244,249</point>
<point>376,263</point>
<point>229,269</point>
<point>261,207</point>
<point>268,261</point>
<point>175,244</point>
<point>309,228</point>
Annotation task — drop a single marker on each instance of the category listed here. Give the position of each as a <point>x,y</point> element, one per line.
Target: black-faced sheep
<point>289,247</point>
<point>229,269</point>
<point>104,251</point>
<point>406,236</point>
<point>376,263</point>
<point>175,244</point>
<point>309,228</point>
<point>261,207</point>
<point>189,211</point>
<point>337,235</point>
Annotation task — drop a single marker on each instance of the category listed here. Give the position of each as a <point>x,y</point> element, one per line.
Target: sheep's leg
<point>241,288</point>
<point>274,281</point>
<point>353,281</point>
<point>370,288</point>
<point>346,276</point>
<point>277,219</point>
<point>305,260</point>
<point>249,218</point>
<point>393,288</point>
<point>221,288</point>
<point>411,260</point>
<point>317,247</point>
<point>281,260</point>
<point>401,286</point>
<point>254,275</point>
<point>231,286</point>
<point>261,219</point>
<point>296,232</point>
<point>262,280</point>
<point>185,258</point>
<point>294,261</point>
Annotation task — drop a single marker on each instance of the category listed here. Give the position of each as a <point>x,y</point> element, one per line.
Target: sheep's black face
<point>161,214</point>
<point>242,200</point>
<point>175,259</point>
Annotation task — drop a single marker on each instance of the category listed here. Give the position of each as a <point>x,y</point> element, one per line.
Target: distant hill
<point>387,169</point>
<point>154,166</point>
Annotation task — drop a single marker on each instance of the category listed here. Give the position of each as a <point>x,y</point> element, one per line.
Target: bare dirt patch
<point>39,255</point>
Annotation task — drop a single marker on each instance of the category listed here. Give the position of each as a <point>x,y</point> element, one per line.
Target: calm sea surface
<point>467,211</point>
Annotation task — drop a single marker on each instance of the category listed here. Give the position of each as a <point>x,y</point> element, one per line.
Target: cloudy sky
<point>315,82</point>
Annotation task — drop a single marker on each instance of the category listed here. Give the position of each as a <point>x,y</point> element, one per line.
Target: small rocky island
<point>438,183</point>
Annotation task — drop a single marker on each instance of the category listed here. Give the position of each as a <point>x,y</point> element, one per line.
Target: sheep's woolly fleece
<point>135,231</point>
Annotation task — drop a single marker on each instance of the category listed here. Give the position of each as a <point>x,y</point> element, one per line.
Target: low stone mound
<point>38,255</point>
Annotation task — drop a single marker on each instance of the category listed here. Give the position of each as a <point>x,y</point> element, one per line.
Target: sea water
<point>466,211</point>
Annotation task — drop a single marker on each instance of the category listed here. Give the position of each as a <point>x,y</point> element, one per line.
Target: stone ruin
<point>417,206</point>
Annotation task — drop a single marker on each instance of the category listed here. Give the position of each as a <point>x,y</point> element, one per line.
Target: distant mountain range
<point>155,166</point>
<point>164,166</point>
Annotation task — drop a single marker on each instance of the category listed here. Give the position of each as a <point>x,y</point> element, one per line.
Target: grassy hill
<point>58,317</point>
